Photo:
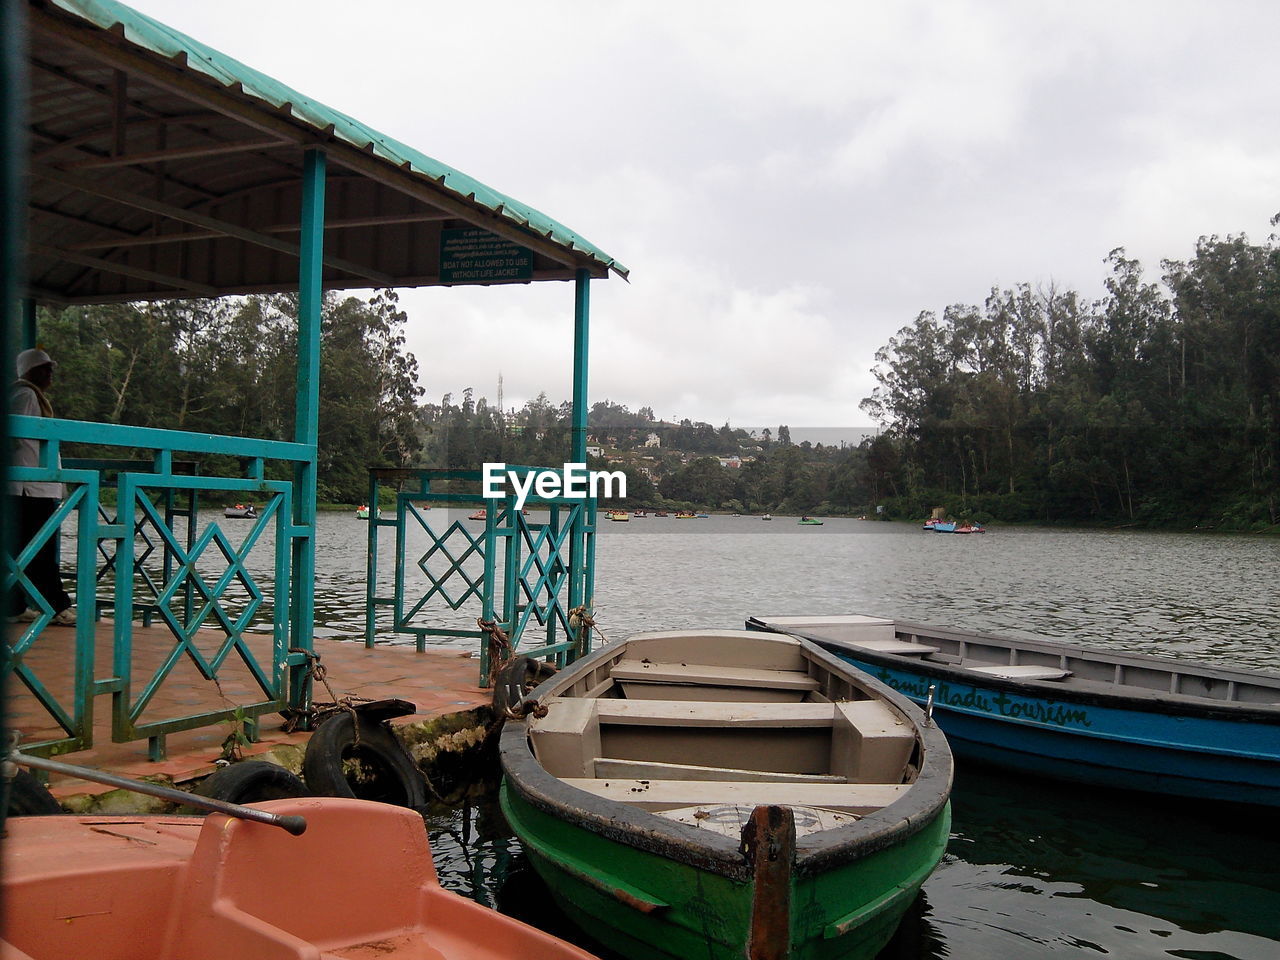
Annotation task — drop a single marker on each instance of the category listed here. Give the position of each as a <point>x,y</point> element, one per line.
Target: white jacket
<point>23,402</point>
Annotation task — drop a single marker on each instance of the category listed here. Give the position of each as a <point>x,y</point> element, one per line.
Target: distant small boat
<point>685,515</point>
<point>944,526</point>
<point>242,511</point>
<point>702,516</point>
<point>481,514</point>
<point>640,514</point>
<point>766,517</point>
<point>661,513</point>
<point>619,516</point>
<point>362,513</point>
<point>809,522</point>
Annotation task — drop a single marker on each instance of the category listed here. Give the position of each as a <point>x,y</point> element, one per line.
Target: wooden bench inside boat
<point>1026,671</point>
<point>645,679</point>
<point>820,743</point>
<point>902,648</point>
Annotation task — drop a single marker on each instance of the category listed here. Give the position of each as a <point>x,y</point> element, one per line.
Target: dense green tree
<point>1156,404</point>
<point>227,367</point>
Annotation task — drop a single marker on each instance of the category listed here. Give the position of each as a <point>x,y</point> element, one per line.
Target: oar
<point>291,823</point>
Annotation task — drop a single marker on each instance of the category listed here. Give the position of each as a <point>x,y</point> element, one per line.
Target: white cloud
<point>789,184</point>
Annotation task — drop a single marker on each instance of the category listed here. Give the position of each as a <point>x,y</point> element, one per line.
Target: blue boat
<point>1134,721</point>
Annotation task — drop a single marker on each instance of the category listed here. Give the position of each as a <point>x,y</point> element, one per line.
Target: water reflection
<point>1037,869</point>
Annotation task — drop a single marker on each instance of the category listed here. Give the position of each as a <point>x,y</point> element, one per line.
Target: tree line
<point>1157,404</point>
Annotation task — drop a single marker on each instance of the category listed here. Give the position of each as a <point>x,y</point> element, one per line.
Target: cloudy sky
<point>789,183</point>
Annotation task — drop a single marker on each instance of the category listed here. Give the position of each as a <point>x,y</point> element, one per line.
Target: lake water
<point>1034,869</point>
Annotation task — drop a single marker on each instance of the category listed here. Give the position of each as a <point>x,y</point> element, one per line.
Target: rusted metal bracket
<point>769,845</point>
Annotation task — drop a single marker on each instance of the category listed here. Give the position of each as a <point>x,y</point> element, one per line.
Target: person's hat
<point>28,360</point>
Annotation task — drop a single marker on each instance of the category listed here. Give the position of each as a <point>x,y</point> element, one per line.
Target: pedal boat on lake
<point>241,511</point>
<point>727,794</point>
<point>359,882</point>
<point>1174,727</point>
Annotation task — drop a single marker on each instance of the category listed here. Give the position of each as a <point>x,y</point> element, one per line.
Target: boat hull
<point>653,881</point>
<point>1086,742</point>
<point>359,881</point>
<point>668,910</point>
<point>1184,747</point>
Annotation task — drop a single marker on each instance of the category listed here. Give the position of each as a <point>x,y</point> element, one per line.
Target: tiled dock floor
<point>440,681</point>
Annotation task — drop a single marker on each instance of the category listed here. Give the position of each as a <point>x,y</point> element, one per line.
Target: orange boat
<point>358,883</point>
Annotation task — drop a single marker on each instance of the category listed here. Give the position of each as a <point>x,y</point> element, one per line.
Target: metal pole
<point>307,421</point>
<point>13,221</point>
<point>581,320</point>
<point>291,823</point>
<point>579,560</point>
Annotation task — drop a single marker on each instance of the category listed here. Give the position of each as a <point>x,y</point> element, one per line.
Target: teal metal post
<point>578,517</point>
<point>307,423</point>
<point>581,316</point>
<point>371,562</point>
<point>14,92</point>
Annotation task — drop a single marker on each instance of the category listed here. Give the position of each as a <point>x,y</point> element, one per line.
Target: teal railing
<point>530,572</point>
<point>149,559</point>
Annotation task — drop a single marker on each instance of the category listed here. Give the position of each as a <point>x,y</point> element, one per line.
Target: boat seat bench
<point>903,648</point>
<point>857,798</point>
<point>867,741</point>
<point>1026,671</point>
<point>713,675</point>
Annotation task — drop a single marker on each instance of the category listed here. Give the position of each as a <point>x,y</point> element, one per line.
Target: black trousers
<point>30,514</point>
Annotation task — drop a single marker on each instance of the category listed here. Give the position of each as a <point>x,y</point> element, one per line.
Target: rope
<point>499,648</point>
<point>583,618</point>
<point>318,712</point>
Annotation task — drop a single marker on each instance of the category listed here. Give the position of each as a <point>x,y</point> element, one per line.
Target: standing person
<point>33,502</point>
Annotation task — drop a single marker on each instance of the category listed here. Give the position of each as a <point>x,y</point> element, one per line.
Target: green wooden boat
<point>727,794</point>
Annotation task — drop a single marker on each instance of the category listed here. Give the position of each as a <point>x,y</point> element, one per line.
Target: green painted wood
<point>849,911</point>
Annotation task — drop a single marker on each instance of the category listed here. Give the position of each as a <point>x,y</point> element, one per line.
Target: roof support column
<point>307,421</point>
<point>581,559</point>
<point>14,91</point>
<point>581,319</point>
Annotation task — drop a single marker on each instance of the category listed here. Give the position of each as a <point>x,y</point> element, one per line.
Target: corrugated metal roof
<point>156,37</point>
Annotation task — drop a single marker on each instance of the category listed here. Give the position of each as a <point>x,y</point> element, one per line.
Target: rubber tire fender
<point>397,779</point>
<point>28,797</point>
<point>251,781</point>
